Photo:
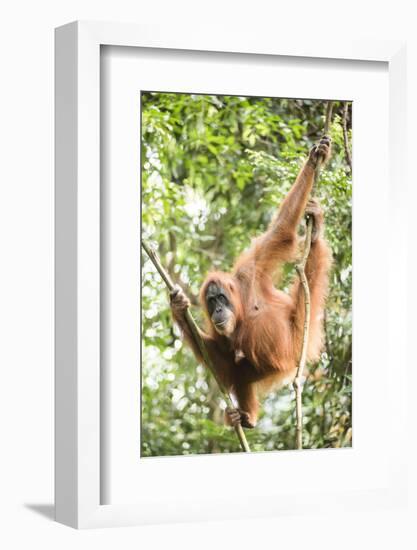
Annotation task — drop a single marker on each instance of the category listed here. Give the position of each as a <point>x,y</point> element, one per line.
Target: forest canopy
<point>214,170</point>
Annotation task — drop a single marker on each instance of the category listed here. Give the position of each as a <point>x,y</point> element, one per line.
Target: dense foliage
<point>214,170</point>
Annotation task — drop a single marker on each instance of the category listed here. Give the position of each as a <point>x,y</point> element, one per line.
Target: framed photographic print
<point>221,329</point>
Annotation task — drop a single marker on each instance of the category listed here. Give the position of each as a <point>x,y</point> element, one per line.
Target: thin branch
<point>326,335</point>
<point>198,340</point>
<point>300,267</point>
<point>345,135</point>
<point>326,130</point>
<point>328,118</point>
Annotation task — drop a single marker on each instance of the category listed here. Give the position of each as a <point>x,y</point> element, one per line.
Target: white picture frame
<point>78,426</point>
